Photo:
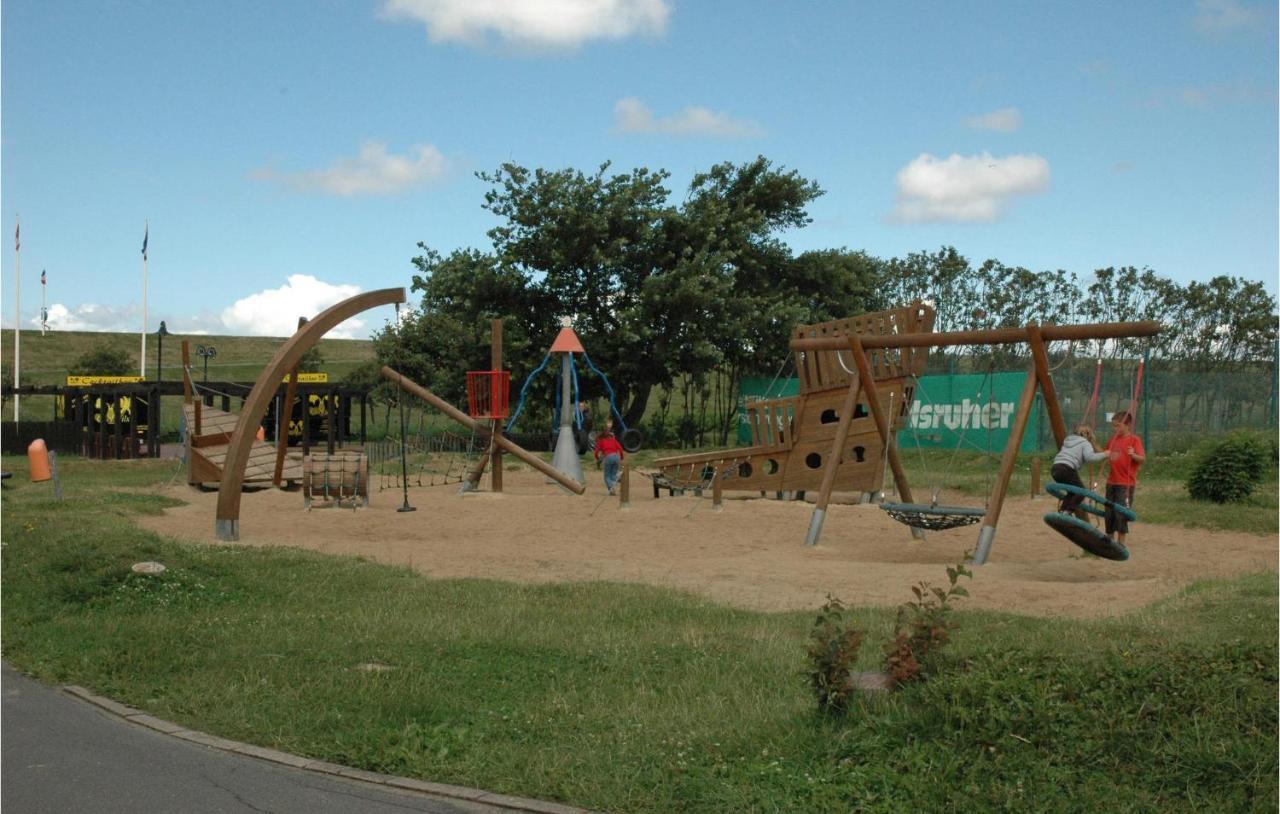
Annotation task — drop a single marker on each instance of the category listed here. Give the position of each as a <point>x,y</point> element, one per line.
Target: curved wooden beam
<point>227,522</point>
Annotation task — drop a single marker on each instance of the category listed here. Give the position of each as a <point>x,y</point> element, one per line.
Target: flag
<point>146,232</point>
<point>17,237</point>
<point>42,278</point>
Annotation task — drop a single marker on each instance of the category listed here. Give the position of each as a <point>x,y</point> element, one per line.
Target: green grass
<point>628,698</point>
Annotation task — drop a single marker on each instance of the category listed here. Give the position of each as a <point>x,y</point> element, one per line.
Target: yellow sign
<point>85,381</point>
<point>310,378</point>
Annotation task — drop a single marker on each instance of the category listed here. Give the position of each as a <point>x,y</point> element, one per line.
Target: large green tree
<point>654,290</point>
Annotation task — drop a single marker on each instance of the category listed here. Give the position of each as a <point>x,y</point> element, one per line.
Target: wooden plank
<point>719,455</point>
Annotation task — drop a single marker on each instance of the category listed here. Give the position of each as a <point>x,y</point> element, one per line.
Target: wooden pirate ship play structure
<point>857,383</point>
<point>791,437</point>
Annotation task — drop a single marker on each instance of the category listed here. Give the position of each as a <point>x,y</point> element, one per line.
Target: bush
<point>1228,468</point>
<point>103,361</point>
<point>923,628</point>
<point>833,649</point>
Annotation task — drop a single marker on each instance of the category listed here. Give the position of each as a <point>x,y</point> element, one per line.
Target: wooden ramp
<point>792,438</point>
<point>207,450</point>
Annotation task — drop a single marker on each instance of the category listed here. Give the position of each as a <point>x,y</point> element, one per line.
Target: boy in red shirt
<point>1126,455</point>
<point>608,448</point>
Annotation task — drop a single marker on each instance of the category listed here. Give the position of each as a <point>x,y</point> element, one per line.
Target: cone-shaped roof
<point>567,342</point>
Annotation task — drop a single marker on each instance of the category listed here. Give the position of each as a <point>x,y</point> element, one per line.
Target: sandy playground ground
<point>750,554</point>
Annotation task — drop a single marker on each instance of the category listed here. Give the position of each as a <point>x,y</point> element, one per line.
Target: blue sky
<point>288,154</point>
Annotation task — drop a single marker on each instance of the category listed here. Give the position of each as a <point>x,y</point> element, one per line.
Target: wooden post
<point>134,400</point>
<point>331,420</point>
<point>364,405</point>
<point>1035,477</point>
<point>987,535</point>
<point>624,493</point>
<point>1036,339</point>
<point>285,415</point>
<point>83,420</point>
<point>717,491</point>
<point>885,425</point>
<point>117,428</point>
<point>306,423</point>
<point>153,422</point>
<point>186,372</point>
<point>344,419</point>
<point>833,460</point>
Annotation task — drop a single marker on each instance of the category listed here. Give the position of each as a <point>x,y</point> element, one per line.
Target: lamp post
<point>206,352</point>
<point>160,335</point>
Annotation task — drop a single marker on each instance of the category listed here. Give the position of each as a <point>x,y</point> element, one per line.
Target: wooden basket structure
<point>488,394</point>
<point>340,478</point>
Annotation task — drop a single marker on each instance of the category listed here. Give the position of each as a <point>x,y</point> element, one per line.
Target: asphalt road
<point>61,754</point>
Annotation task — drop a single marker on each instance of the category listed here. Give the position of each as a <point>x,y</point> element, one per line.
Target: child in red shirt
<point>608,448</point>
<point>1126,455</point>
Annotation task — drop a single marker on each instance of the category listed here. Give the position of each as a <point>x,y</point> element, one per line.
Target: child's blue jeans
<point>612,466</point>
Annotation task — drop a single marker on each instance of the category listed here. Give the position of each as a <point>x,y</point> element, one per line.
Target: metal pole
<point>17,317</point>
<point>142,355</point>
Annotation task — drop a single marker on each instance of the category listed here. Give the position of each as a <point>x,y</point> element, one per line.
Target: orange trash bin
<point>38,459</point>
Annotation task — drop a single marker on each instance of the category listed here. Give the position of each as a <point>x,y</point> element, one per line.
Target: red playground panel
<point>487,393</point>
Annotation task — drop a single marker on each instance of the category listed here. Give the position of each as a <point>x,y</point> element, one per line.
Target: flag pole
<point>44,307</point>
<point>146,231</point>
<point>17,310</point>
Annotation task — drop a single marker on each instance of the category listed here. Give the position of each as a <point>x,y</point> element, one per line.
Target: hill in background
<point>45,359</point>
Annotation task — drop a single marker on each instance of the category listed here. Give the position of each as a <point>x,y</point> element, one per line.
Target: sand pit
<point>750,554</point>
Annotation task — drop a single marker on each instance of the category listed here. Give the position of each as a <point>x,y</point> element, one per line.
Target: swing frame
<point>1039,378</point>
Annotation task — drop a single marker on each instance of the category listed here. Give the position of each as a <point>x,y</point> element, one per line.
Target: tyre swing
<point>933,516</point>
<point>1084,534</point>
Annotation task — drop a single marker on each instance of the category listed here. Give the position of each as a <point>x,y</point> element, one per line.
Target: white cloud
<point>92,317</point>
<point>532,23</point>
<point>631,116</point>
<point>1005,120</point>
<point>272,312</point>
<point>373,172</point>
<point>966,188</point>
<point>1220,17</point>
<point>275,311</point>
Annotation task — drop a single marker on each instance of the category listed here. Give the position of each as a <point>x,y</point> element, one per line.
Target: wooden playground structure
<point>224,447</point>
<point>854,395</point>
<point>792,437</point>
<point>858,379</point>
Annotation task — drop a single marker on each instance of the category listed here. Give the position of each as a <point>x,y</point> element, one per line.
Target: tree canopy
<point>663,290</point>
<point>655,289</point>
